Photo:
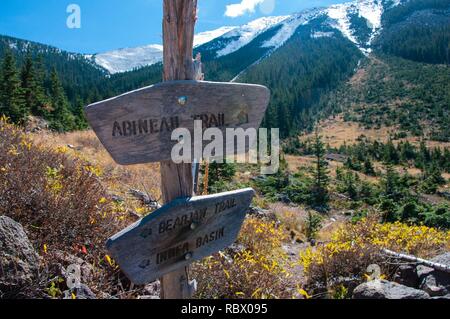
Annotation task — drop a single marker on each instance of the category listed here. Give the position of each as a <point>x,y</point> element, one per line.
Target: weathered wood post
<point>137,127</point>
<point>176,179</point>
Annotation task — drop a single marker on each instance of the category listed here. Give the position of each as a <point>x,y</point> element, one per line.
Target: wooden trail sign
<point>179,233</point>
<point>137,127</point>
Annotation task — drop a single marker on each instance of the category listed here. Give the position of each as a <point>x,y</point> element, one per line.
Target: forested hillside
<point>418,30</point>
<point>56,85</point>
<point>393,92</point>
<point>306,74</point>
<point>300,72</point>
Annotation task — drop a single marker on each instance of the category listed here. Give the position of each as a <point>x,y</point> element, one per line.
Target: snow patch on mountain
<point>288,28</point>
<point>207,36</point>
<point>370,10</point>
<point>339,13</point>
<point>245,34</point>
<point>123,60</point>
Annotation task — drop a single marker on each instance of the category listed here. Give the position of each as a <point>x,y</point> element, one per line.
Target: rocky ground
<point>20,265</point>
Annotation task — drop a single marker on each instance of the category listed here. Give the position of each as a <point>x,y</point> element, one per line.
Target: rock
<point>349,282</point>
<point>19,262</point>
<point>383,289</point>
<point>117,199</point>
<point>434,282</point>
<point>63,260</point>
<point>406,275</point>
<point>81,292</point>
<point>36,124</point>
<point>262,213</point>
<point>152,291</point>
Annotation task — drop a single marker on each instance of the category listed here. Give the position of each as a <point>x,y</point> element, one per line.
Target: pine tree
<point>368,167</point>
<point>11,102</point>
<point>319,191</point>
<point>424,157</point>
<point>80,118</point>
<point>32,86</point>
<point>61,118</point>
<point>219,176</point>
<point>391,182</point>
<point>432,178</point>
<point>391,155</point>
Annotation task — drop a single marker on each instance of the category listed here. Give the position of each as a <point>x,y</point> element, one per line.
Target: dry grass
<point>86,145</point>
<point>337,132</point>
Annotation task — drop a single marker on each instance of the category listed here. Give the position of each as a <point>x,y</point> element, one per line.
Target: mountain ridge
<point>342,17</point>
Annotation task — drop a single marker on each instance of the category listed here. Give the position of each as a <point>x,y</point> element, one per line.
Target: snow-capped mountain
<point>123,60</point>
<point>343,16</point>
<point>288,26</point>
<point>243,35</point>
<point>207,36</point>
<point>360,21</point>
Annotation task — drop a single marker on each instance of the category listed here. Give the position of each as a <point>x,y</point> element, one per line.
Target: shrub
<point>438,217</point>
<point>354,247</point>
<point>61,203</point>
<point>312,225</point>
<point>258,270</point>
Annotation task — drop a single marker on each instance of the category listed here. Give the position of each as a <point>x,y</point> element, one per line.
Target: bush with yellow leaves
<point>61,202</point>
<point>342,263</point>
<point>257,271</point>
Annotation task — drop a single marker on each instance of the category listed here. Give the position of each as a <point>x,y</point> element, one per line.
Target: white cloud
<point>239,9</point>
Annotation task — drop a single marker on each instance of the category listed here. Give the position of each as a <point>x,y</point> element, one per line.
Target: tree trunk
<point>177,179</point>
<point>416,260</point>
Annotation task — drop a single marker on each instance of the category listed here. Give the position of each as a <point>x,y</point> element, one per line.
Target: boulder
<point>261,213</point>
<point>383,289</point>
<point>436,283</point>
<point>406,275</point>
<point>19,262</point>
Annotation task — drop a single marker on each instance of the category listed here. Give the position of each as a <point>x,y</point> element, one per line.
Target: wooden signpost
<point>179,233</point>
<point>136,128</point>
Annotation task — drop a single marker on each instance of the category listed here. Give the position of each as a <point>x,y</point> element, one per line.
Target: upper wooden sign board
<point>137,127</point>
<point>179,233</point>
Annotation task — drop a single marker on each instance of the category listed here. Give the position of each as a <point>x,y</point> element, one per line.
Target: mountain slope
<point>359,21</point>
<point>123,60</point>
<point>302,70</point>
<point>300,57</point>
<point>78,74</point>
<point>418,30</point>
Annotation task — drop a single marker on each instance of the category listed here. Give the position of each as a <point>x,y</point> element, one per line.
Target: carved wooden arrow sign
<point>179,233</point>
<point>136,127</point>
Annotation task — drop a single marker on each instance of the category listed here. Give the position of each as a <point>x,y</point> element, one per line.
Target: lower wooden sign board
<point>179,233</point>
<point>136,127</point>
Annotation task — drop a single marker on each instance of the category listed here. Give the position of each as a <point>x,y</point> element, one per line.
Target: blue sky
<point>113,24</point>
